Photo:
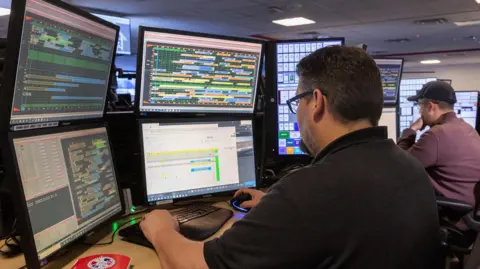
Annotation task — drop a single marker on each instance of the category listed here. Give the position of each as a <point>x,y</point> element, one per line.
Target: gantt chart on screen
<point>63,68</point>
<point>184,73</point>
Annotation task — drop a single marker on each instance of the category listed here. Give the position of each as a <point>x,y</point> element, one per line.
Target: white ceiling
<point>360,21</point>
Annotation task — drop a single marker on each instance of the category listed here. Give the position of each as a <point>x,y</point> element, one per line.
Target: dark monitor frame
<point>478,114</point>
<point>141,39</point>
<point>397,93</point>
<point>15,30</point>
<point>273,99</point>
<point>15,186</point>
<point>188,120</point>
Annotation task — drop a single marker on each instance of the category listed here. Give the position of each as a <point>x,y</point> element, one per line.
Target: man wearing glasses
<point>362,203</point>
<point>450,150</point>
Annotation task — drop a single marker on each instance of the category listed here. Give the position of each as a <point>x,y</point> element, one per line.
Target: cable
<point>113,234</point>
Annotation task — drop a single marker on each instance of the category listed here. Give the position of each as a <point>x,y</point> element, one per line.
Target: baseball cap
<point>437,91</point>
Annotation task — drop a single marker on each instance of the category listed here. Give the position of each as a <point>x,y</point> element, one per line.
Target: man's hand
<point>418,125</point>
<point>156,222</point>
<point>256,197</point>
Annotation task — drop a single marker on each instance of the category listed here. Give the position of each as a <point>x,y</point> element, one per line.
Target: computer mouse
<point>237,201</point>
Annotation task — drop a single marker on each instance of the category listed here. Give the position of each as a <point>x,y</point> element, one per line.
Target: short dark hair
<point>350,79</point>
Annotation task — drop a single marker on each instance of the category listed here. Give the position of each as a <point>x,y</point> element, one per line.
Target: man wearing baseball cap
<point>450,150</point>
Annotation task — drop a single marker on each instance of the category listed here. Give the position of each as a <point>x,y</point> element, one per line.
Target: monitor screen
<point>288,55</point>
<point>69,185</point>
<point>391,74</point>
<point>124,46</point>
<point>208,157</point>
<point>467,106</point>
<point>63,67</point>
<point>408,110</point>
<point>190,73</point>
<point>389,119</point>
<point>125,85</point>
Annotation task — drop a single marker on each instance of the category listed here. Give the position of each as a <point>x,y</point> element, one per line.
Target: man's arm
<point>173,250</point>
<point>425,150</point>
<point>407,140</point>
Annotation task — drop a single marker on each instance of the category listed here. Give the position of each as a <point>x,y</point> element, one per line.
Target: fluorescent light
<point>294,21</point>
<point>430,62</point>
<point>4,11</point>
<point>478,1</point>
<point>467,23</point>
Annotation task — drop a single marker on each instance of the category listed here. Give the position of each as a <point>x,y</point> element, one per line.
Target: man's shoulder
<point>454,126</point>
<point>315,176</point>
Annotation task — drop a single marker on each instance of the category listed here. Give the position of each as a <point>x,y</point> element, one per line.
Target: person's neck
<point>336,130</point>
<point>442,116</point>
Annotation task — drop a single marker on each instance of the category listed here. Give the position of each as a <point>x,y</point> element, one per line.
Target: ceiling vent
<point>431,21</point>
<point>309,33</point>
<point>398,40</point>
<point>456,54</point>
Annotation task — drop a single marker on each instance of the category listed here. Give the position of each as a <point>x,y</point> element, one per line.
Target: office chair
<point>456,242</point>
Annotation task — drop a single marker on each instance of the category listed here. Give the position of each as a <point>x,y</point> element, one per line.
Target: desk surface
<point>142,257</point>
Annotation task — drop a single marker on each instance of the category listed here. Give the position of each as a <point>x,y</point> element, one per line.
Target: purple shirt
<point>450,152</point>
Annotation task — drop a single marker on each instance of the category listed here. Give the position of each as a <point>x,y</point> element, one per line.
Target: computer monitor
<point>408,111</point>
<point>184,72</point>
<point>58,63</point>
<point>389,119</point>
<point>208,156</point>
<point>67,186</point>
<point>467,106</point>
<point>126,86</point>
<point>288,55</point>
<point>391,74</point>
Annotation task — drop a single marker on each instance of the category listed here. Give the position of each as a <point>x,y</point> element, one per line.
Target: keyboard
<point>197,222</point>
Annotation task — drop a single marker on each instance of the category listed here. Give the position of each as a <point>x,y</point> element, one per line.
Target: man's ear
<point>320,102</point>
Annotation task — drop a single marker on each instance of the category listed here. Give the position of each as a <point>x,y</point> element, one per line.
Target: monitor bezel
<point>191,120</point>
<point>15,30</point>
<point>139,81</point>
<point>397,93</point>
<point>23,219</point>
<point>272,83</point>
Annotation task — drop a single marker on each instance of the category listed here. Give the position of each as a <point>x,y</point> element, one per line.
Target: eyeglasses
<point>294,101</point>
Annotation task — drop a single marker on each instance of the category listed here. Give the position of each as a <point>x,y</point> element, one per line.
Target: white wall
<point>464,77</point>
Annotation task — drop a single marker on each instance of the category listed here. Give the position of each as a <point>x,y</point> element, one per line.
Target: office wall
<point>464,77</point>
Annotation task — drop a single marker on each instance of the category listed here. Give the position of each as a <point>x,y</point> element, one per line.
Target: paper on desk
<point>103,261</point>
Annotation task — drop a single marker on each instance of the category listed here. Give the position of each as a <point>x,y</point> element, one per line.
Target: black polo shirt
<point>362,203</point>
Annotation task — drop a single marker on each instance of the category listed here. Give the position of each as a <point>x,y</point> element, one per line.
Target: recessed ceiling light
<point>430,62</point>
<point>478,1</point>
<point>294,21</point>
<point>4,11</point>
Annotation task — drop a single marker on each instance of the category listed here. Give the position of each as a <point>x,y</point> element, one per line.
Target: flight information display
<point>187,73</point>
<point>391,74</point>
<point>69,185</point>
<point>64,66</point>
<point>466,107</point>
<point>289,55</point>
<point>409,110</point>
